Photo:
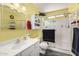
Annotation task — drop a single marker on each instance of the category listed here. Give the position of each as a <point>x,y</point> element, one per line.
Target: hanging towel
<point>28,25</point>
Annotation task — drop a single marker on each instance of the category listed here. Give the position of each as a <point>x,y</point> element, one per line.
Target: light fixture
<point>56,16</point>
<point>51,17</point>
<point>59,15</point>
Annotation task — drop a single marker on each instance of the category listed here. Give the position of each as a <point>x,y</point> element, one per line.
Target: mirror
<point>11,17</point>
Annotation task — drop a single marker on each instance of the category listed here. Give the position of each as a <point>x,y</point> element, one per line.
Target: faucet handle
<point>17,41</point>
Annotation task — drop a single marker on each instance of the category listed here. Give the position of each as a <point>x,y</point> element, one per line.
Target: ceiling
<point>36,7</point>
<point>46,7</point>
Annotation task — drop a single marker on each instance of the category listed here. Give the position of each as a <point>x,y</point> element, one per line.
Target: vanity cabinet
<point>27,51</point>
<point>31,51</point>
<point>35,50</point>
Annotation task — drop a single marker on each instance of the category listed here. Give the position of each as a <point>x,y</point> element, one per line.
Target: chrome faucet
<point>17,41</point>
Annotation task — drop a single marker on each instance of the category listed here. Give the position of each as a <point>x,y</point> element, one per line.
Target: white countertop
<point>13,48</point>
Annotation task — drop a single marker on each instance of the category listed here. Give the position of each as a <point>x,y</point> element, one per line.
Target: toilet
<point>43,46</point>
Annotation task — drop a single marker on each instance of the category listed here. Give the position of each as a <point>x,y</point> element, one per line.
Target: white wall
<point>55,24</point>
<point>63,34</point>
<point>63,39</point>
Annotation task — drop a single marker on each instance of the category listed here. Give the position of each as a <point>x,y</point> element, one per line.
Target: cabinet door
<point>27,51</point>
<point>19,54</point>
<point>32,51</point>
<point>35,50</point>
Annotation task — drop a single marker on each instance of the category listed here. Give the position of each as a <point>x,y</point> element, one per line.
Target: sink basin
<point>10,47</point>
<point>18,45</point>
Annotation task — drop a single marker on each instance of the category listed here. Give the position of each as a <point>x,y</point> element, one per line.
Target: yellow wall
<point>31,9</point>
<point>18,17</point>
<point>6,35</point>
<point>0,17</point>
<point>6,12</point>
<point>73,7</point>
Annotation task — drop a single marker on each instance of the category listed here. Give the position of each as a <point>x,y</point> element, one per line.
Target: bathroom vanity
<point>28,47</point>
